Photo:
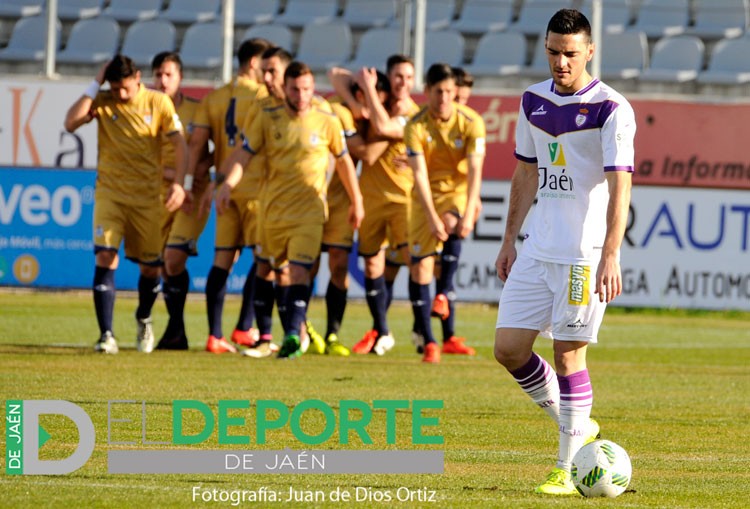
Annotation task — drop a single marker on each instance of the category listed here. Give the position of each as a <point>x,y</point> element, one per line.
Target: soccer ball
<point>601,469</point>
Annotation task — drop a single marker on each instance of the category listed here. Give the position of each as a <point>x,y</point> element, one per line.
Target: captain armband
<point>92,89</point>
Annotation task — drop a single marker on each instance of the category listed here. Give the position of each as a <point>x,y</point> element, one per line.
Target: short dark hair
<point>463,77</point>
<point>382,84</point>
<point>569,21</point>
<point>119,68</point>
<point>396,59</point>
<point>252,48</point>
<point>296,69</point>
<point>439,72</point>
<point>279,53</point>
<point>166,56</point>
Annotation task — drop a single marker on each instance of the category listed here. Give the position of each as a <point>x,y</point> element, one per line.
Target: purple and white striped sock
<point>538,380</point>
<point>576,399</point>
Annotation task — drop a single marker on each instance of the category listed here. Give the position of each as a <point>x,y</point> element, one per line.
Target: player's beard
<point>291,105</point>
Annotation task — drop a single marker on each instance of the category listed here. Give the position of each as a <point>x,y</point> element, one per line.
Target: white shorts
<point>557,300</point>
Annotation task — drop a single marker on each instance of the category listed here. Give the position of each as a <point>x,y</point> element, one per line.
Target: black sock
<point>377,298</point>
<point>449,324</point>
<point>448,264</point>
<point>282,296</point>
<point>297,307</point>
<point>247,310</point>
<point>175,293</point>
<point>104,297</point>
<point>335,305</point>
<point>264,305</point>
<point>216,289</point>
<point>389,293</point>
<point>421,304</point>
<point>148,291</point>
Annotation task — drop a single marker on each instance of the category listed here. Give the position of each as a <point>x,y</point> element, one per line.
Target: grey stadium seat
<point>539,67</point>
<point>480,16</point>
<point>255,12</point>
<point>324,45</point>
<point>439,14</point>
<point>280,35</point>
<point>659,18</point>
<point>624,55</point>
<point>28,40</point>
<point>616,15</point>
<point>91,41</point>
<point>299,13</point>
<point>675,59</point>
<point>144,39</point>
<point>445,46</point>
<point>374,48</point>
<point>78,9</point>
<point>499,54</point>
<point>535,15</point>
<point>718,19</point>
<point>186,12</point>
<point>369,13</point>
<point>132,10</point>
<point>202,46</point>
<point>20,8</point>
<point>729,64</point>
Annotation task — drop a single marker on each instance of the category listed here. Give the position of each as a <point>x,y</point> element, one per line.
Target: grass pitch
<point>670,387</point>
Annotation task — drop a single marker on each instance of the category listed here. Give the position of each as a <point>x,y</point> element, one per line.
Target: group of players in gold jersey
<point>275,143</point>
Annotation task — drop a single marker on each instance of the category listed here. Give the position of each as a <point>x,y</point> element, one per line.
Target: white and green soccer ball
<point>601,469</point>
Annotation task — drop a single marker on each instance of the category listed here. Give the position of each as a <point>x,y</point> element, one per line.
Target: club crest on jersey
<point>580,120</point>
<point>459,143</point>
<point>314,139</point>
<point>556,154</point>
<point>147,119</point>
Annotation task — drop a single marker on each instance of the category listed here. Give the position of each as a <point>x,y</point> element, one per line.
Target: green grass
<point>670,387</point>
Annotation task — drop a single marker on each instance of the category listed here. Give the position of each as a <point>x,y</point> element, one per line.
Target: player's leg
<point>175,289</point>
<point>244,333</point>
<point>104,299</point>
<point>263,302</point>
<point>336,294</point>
<point>420,273</point>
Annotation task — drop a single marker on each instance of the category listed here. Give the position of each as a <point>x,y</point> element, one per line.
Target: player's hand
<point>367,77</point>
<point>438,229</point>
<point>466,223</point>
<point>608,279</point>
<point>187,203</point>
<point>223,194</point>
<point>505,260</point>
<point>208,195</point>
<point>356,214</point>
<point>175,197</point>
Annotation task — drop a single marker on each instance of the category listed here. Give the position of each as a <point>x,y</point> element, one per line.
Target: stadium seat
<point>369,13</point>
<point>659,18</point>
<point>480,16</point>
<point>202,47</point>
<point>255,12</point>
<point>675,59</point>
<point>186,12</point>
<point>624,55</point>
<point>439,14</point>
<point>499,54</point>
<point>299,13</point>
<point>446,46</point>
<point>616,14</point>
<point>28,40</point>
<point>280,35</point>
<point>374,48</point>
<point>535,15</point>
<point>78,9</point>
<point>719,19</point>
<point>539,67</point>
<point>144,39</point>
<point>20,8</point>
<point>132,10</point>
<point>91,41</point>
<point>324,45</point>
<point>729,63</point>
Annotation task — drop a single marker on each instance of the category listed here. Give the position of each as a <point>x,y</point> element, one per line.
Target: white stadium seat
<point>144,39</point>
<point>325,45</point>
<point>28,40</point>
<point>91,41</point>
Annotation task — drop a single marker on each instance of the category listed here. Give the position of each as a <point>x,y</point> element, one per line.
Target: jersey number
<point>229,126</point>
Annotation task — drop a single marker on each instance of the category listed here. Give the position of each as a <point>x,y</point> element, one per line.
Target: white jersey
<point>574,139</point>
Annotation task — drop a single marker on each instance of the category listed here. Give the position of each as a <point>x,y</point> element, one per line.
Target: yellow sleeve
<point>252,112</point>
<point>413,139</point>
<point>253,135</point>
<point>170,121</point>
<point>337,143</point>
<point>202,117</point>
<point>475,143</point>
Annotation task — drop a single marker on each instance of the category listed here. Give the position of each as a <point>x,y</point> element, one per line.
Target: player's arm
<point>341,79</point>
<point>422,185</point>
<point>380,120</point>
<point>348,175</point>
<point>176,193</point>
<point>523,189</point>
<point>608,274</point>
<point>80,112</point>
<point>473,204</point>
<point>229,175</point>
<point>366,152</point>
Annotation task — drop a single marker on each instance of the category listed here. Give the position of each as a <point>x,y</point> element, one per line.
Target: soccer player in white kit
<point>574,145</point>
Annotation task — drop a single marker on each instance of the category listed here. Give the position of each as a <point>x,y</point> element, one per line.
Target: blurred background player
<point>446,145</point>
<point>180,228</point>
<point>220,119</point>
<point>298,139</point>
<point>551,286</point>
<point>128,203</point>
<point>464,84</point>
